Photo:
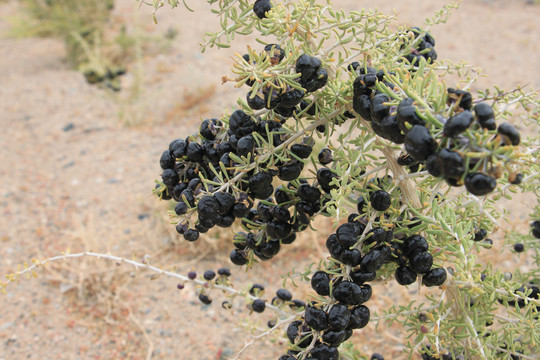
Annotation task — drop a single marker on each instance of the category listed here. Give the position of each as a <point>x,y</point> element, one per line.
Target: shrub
<point>347,119</point>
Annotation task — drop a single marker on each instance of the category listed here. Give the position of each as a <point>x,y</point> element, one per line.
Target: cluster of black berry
<point>424,47</point>
<point>446,158</point>
<point>272,221</point>
<point>534,294</point>
<point>284,101</point>
<point>276,220</point>
<point>334,324</point>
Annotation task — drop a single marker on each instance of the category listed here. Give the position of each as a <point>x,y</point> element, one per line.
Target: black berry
<point>434,277</point>
<point>380,200</point>
<point>258,305</point>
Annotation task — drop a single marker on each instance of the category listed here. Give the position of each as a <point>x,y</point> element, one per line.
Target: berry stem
<point>138,265</point>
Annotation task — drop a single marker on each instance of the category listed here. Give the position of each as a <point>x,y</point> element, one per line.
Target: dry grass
<point>191,104</point>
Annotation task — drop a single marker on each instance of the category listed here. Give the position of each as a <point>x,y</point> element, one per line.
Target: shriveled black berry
<point>452,163</point>
<point>480,235</point>
<point>170,177</point>
<point>181,228</point>
<point>278,229</point>
<point>181,208</point>
<point>350,257</point>
<point>518,247</point>
<point>434,165</point>
<point>241,123</point>
<point>334,338</point>
<point>308,193</point>
<point>378,110</point>
<point>281,213</point>
<point>421,262</point>
<point>261,7</point>
<point>268,249</point>
<point>324,177</point>
<point>237,257</point>
<point>258,305</point>
<point>419,143</point>
<point>178,148</point>
<point>405,276</point>
<point>263,211</point>
<point>464,98</point>
<point>255,102</point>
<point>191,235</point>
<point>360,277</point>
<point>484,115</point>
<point>372,261</point>
<point>293,329</point>
<point>389,129</point>
<point>240,210</point>
<point>334,247</point>
<point>458,123</point>
<point>347,235</point>
<point>275,52</point>
<point>208,206</point>
<point>509,132</point>
<point>167,161</point>
<point>284,294</point>
<point>479,183</point>
<point>316,318</point>
<point>361,85</point>
<point>281,195</point>
<point>361,205</point>
<point>317,81</point>
<point>290,171</point>
<point>256,289</point>
<point>205,299</point>
<point>225,202</point>
<point>245,145</point>
<point>376,234</point>
<point>209,275</point>
<point>325,156</point>
<point>324,352</point>
<point>307,66</point>
<point>320,282</point>
<point>301,150</point>
<point>359,317</point>
<point>311,107</point>
<point>380,200</point>
<point>407,116</point>
<point>434,277</point>
<point>289,239</point>
<point>226,272</point>
<point>350,293</point>
<point>194,152</point>
<point>260,181</point>
<point>362,106</point>
<point>414,244</point>
<point>210,128</point>
<point>338,317</point>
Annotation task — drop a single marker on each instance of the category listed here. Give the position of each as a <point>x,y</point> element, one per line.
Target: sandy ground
<point>78,165</point>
